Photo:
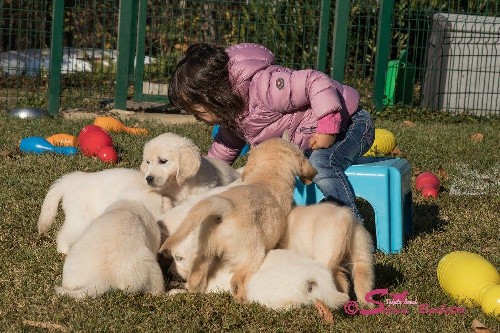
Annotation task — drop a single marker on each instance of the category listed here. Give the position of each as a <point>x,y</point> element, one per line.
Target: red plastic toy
<point>92,139</point>
<point>107,154</point>
<point>428,184</point>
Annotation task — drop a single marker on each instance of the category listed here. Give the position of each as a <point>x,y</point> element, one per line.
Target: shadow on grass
<point>426,219</point>
<point>386,276</point>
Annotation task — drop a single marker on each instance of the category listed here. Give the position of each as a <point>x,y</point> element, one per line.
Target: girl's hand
<point>318,141</point>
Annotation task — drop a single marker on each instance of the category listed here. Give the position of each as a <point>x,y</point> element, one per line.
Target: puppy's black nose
<point>149,179</point>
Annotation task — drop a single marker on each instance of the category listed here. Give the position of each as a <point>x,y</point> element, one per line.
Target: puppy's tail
<point>361,259</point>
<point>91,291</point>
<point>346,230</point>
<point>212,206</point>
<point>51,203</point>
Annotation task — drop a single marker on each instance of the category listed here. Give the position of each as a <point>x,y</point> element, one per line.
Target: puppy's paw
<point>238,288</point>
<point>63,248</point>
<point>197,283</point>
<point>172,292</point>
<point>236,291</point>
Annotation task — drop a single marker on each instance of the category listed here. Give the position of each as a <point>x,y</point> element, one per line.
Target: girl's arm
<point>226,146</point>
<point>284,90</point>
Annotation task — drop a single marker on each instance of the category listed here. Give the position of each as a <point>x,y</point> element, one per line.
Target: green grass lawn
<point>465,217</point>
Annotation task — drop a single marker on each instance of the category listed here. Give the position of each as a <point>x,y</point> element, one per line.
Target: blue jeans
<point>352,142</point>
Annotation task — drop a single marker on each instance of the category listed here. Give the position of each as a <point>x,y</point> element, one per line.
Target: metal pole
<point>122,64</point>
<point>324,23</point>
<point>382,54</point>
<point>53,101</point>
<point>340,29</point>
<point>139,55</point>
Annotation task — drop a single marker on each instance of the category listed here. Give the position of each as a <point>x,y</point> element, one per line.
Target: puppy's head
<point>182,255</point>
<point>169,158</point>
<point>288,157</point>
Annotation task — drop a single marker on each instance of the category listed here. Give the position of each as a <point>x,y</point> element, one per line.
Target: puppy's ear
<point>165,251</point>
<point>188,164</point>
<point>144,166</point>
<point>307,172</point>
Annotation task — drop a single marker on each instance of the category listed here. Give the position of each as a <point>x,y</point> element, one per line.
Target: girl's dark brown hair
<point>202,77</point>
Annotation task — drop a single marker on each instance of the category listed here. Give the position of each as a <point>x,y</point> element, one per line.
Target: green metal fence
<point>442,55</point>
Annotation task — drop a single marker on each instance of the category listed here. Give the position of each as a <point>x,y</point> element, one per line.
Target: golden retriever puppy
<point>284,280</point>
<point>174,165</point>
<point>171,220</point>
<point>117,251</point>
<point>173,169</point>
<point>244,222</point>
<point>85,196</point>
<point>332,235</point>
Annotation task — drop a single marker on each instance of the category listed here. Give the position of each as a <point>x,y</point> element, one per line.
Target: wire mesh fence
<point>442,55</point>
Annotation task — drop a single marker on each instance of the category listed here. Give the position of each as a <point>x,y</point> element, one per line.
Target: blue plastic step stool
<point>386,184</point>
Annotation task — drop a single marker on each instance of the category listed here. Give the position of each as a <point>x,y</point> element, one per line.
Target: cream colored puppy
<point>244,222</point>
<point>116,251</point>
<point>174,165</point>
<point>285,280</point>
<point>85,196</point>
<point>332,236</point>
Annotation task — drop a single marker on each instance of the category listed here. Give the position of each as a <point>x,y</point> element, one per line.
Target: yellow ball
<point>466,277</point>
<point>383,144</point>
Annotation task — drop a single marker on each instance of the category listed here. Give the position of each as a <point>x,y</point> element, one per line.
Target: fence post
<point>139,55</point>
<point>53,101</point>
<point>125,21</point>
<point>324,22</point>
<point>341,23</point>
<point>382,54</point>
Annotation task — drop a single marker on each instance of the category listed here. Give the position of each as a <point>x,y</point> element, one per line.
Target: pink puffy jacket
<point>279,99</point>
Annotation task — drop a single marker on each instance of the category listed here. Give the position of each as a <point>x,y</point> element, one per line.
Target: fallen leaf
<point>442,173</point>
<point>9,154</point>
<point>323,311</point>
<point>45,325</point>
<point>479,327</point>
<point>409,123</point>
<point>396,151</point>
<point>477,137</point>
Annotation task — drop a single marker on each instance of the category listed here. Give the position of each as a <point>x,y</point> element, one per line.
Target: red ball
<point>107,154</point>
<point>429,192</point>
<point>428,184</point>
<point>426,179</point>
<point>92,138</point>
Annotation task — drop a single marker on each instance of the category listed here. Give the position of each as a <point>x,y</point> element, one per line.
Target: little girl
<point>252,99</point>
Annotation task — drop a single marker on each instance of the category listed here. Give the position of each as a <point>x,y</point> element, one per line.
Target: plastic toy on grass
<point>94,141</point>
<point>428,184</point>
<point>384,143</point>
<point>92,138</point>
<point>39,145</point>
<point>61,139</point>
<point>115,125</point>
<point>470,279</point>
<point>107,154</point>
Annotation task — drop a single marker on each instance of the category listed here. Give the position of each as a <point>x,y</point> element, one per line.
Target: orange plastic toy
<point>61,139</point>
<point>112,124</point>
